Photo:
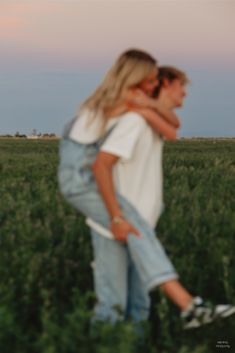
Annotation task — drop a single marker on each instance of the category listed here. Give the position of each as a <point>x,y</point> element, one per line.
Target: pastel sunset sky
<point>54,53</point>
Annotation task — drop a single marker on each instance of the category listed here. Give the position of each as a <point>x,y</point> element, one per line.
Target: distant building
<point>33,137</point>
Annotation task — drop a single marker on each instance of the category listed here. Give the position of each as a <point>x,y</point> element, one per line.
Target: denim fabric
<point>145,254</point>
<point>120,292</point>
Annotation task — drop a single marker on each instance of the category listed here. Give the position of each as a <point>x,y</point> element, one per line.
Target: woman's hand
<point>122,229</point>
<point>119,109</point>
<point>137,98</point>
<point>134,99</point>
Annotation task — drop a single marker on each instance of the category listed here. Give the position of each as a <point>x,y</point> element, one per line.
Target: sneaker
<point>201,313</point>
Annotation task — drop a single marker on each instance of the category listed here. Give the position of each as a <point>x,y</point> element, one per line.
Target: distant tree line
<point>34,134</point>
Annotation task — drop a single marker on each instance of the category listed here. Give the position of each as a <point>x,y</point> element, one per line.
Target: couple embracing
<point>111,171</point>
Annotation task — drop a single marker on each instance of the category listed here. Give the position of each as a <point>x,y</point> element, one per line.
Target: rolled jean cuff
<point>155,282</point>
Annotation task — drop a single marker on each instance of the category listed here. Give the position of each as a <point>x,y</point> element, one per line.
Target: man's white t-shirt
<point>138,172</point>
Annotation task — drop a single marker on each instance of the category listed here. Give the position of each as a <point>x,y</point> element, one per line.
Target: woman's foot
<point>201,313</point>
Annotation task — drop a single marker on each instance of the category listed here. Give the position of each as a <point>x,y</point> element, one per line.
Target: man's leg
<point>138,304</point>
<point>110,278</point>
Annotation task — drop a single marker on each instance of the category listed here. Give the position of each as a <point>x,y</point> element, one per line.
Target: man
<point>132,156</point>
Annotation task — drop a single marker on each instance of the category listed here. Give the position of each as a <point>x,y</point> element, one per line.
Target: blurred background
<point>54,53</point>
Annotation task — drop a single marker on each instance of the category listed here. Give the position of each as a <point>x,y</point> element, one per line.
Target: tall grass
<point>46,290</point>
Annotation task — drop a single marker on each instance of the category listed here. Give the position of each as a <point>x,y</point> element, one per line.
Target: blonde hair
<point>129,70</point>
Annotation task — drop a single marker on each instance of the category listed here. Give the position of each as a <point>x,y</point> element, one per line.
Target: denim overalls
<point>123,273</point>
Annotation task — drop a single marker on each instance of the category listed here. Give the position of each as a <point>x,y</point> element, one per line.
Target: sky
<point>55,52</point>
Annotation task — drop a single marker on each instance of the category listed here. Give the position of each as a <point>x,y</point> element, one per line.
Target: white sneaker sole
<point>225,311</point>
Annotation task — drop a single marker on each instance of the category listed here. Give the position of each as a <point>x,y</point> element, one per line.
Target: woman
<point>93,143</point>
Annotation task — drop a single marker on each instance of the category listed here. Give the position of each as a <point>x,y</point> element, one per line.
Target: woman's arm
<point>167,114</point>
<point>102,170</point>
<point>141,101</point>
<point>157,123</point>
<point>137,98</point>
<point>138,103</point>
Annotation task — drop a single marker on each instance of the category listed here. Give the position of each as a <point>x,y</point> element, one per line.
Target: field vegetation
<point>46,291</point>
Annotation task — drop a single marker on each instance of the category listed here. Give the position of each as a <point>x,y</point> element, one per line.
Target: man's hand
<point>122,229</point>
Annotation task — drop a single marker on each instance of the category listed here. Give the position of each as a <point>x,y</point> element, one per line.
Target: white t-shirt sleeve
<point>122,140</point>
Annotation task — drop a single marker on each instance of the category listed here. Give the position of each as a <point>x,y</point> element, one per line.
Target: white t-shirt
<point>138,173</point>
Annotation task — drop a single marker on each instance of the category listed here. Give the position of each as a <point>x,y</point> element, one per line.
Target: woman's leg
<point>147,253</point>
<point>177,293</point>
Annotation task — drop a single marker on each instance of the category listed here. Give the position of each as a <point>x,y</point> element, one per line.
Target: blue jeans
<point>145,254</point>
<point>119,289</point>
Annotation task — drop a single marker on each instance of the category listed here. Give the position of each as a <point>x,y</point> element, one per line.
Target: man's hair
<point>170,73</point>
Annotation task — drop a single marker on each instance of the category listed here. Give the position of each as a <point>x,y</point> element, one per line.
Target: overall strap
<point>102,139</point>
<point>68,127</point>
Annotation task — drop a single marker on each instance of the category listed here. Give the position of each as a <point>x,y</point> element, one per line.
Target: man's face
<point>149,84</point>
<point>176,92</point>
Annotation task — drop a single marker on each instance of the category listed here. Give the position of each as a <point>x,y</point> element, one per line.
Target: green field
<point>46,292</point>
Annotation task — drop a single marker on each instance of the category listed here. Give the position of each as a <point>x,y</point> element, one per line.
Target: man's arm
<point>102,170</point>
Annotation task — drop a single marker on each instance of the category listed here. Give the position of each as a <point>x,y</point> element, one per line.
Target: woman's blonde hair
<point>129,70</point>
